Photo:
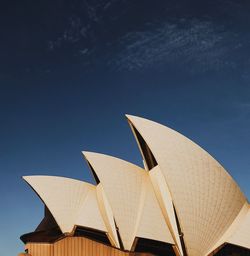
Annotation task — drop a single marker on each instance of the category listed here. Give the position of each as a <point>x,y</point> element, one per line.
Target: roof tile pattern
<point>71,202</point>
<point>131,197</point>
<point>206,198</point>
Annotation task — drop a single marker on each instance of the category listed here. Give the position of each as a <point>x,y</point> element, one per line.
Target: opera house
<point>183,202</point>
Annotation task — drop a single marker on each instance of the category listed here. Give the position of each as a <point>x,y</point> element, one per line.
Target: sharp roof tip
<point>26,177</point>
<point>129,116</point>
<point>29,177</point>
<point>87,152</point>
<point>133,116</point>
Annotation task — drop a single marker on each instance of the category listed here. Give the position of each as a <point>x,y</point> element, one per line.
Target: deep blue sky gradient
<point>70,71</point>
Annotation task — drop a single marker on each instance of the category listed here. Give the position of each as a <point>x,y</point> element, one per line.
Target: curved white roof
<point>206,198</point>
<point>71,202</point>
<point>132,199</point>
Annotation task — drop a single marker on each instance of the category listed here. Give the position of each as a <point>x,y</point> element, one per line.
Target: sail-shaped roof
<point>131,196</point>
<point>206,198</point>
<point>71,202</point>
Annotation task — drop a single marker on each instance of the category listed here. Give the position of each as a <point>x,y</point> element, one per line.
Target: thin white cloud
<point>198,44</point>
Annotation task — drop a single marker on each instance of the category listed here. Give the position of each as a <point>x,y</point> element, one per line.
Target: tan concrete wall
<point>76,246</point>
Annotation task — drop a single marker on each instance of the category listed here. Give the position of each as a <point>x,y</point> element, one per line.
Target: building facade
<point>183,202</point>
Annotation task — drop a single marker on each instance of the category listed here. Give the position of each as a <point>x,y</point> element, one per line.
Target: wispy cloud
<point>83,23</point>
<point>194,44</point>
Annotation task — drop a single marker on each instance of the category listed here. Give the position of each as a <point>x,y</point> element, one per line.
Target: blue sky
<point>67,80</point>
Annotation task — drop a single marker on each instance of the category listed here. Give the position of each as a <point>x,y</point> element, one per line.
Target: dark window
<point>232,250</point>
<point>92,234</point>
<point>157,248</point>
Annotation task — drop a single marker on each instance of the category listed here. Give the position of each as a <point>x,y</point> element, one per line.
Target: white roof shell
<point>132,199</point>
<point>71,202</point>
<point>206,198</point>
